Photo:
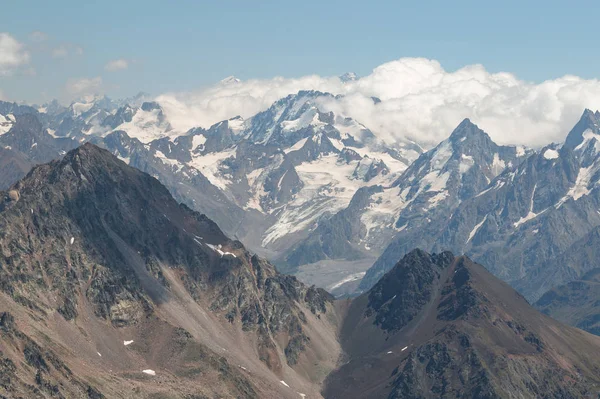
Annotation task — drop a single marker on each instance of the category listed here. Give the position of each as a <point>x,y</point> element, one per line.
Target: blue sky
<point>186,45</point>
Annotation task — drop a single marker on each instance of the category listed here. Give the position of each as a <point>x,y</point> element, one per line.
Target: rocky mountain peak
<point>118,247</point>
<point>435,314</point>
<point>468,134</point>
<point>349,77</point>
<point>589,122</point>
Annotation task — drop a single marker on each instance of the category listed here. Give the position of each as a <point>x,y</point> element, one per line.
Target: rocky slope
<point>95,254</point>
<point>440,326</point>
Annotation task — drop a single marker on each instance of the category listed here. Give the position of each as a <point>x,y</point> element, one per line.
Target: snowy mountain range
<point>325,198</point>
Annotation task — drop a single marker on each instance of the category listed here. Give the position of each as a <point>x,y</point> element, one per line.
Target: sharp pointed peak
<point>589,120</point>
<point>465,130</point>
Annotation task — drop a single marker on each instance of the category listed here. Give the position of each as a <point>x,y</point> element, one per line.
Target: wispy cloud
<point>117,65</point>
<point>84,86</point>
<point>420,101</point>
<point>66,49</point>
<point>12,54</point>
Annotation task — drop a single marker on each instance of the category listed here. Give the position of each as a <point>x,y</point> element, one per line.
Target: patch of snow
<point>5,124</point>
<point>167,161</point>
<point>531,215</point>
<point>581,183</point>
<point>149,372</point>
<point>298,145</point>
<point>499,184</point>
<point>403,349</point>
<point>383,211</point>
<point>236,125</point>
<point>209,165</point>
<point>81,108</point>
<point>434,181</point>
<point>520,151</point>
<point>476,229</point>
<point>198,140</point>
<point>99,354</point>
<point>347,279</point>
<point>284,383</point>
<point>126,343</point>
<point>390,352</point>
<point>328,187</point>
<point>580,188</point>
<point>466,162</point>
<point>147,126</point>
<point>551,154</point>
<point>589,135</point>
<point>498,165</point>
<point>442,154</point>
<point>217,248</point>
<point>308,118</point>
<point>72,240</point>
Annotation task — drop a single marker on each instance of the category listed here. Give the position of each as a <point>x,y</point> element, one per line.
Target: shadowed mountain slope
<point>440,326</point>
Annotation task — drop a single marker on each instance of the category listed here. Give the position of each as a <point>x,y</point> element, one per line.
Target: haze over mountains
<point>325,198</point>
<point>110,288</point>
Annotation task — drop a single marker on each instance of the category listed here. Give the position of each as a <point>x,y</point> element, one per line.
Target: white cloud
<point>231,98</point>
<point>84,86</point>
<point>420,101</point>
<point>12,54</point>
<point>66,49</point>
<point>116,65</point>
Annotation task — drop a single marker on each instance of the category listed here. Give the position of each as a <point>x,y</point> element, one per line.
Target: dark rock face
<point>398,298</point>
<point>440,326</point>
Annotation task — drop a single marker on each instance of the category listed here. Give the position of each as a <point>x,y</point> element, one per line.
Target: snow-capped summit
<point>230,80</point>
<point>349,77</point>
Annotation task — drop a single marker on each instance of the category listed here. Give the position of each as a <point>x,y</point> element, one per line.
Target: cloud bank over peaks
<point>420,101</point>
